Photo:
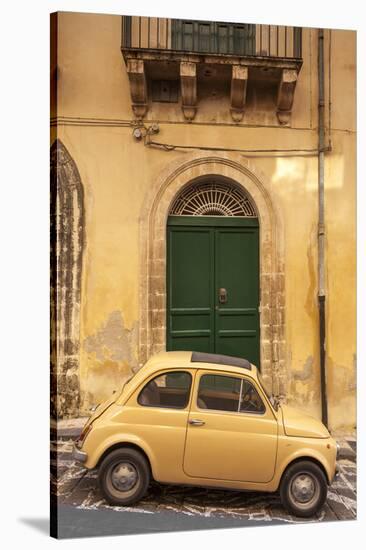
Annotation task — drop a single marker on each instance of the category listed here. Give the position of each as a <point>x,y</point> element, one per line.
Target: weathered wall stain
<point>113,341</point>
<point>304,381</point>
<point>112,353</point>
<point>342,389</point>
<point>310,303</point>
<point>306,373</point>
<point>304,387</point>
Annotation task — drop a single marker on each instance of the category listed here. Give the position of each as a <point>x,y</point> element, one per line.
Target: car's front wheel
<point>124,476</point>
<point>303,488</point>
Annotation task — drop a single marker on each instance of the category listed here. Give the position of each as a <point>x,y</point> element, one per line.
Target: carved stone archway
<point>179,173</point>
<point>66,252</point>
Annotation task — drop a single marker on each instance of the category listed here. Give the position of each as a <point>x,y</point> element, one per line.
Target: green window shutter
<point>222,34</point>
<point>188,35</point>
<point>176,34</point>
<point>204,42</point>
<point>206,36</point>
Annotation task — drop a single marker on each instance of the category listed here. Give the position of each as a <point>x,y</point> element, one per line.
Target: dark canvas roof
<point>199,357</point>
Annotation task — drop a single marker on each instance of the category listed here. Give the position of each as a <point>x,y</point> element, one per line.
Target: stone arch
<point>67,240</point>
<point>152,336</point>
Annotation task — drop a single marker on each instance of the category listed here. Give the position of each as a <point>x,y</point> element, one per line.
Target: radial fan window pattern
<point>211,198</point>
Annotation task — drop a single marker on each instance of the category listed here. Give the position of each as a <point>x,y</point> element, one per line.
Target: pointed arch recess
<point>67,240</point>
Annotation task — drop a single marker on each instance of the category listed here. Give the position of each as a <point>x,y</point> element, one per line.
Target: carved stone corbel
<point>138,88</point>
<point>239,79</point>
<point>285,96</point>
<point>188,83</point>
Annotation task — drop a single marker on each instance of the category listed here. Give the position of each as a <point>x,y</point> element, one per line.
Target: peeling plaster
<point>113,341</point>
<point>304,391</point>
<point>343,378</point>
<point>112,352</point>
<point>307,371</point>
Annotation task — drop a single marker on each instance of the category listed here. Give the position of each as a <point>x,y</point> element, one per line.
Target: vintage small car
<point>203,419</point>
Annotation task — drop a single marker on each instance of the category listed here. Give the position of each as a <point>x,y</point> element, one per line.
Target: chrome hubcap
<point>124,476</point>
<point>303,488</point>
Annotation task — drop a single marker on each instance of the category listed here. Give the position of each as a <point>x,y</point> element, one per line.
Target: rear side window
<point>228,393</point>
<point>168,390</point>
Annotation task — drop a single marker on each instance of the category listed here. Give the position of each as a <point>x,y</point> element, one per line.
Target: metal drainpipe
<point>321,227</point>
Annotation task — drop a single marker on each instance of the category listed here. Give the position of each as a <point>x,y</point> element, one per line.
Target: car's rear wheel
<point>303,488</point>
<point>124,476</point>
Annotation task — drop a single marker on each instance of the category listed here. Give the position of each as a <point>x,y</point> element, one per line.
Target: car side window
<point>168,390</point>
<point>228,393</point>
<point>219,392</point>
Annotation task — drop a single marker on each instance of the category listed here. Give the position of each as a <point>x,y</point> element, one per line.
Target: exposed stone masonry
<point>66,250</point>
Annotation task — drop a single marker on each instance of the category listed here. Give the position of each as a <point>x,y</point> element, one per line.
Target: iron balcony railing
<point>211,37</point>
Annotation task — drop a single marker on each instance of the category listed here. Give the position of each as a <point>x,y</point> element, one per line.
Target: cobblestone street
<point>77,488</point>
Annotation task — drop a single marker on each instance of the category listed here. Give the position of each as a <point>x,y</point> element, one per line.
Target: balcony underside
<point>195,71</point>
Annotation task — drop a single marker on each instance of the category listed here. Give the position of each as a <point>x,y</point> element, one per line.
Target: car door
<point>156,416</point>
<point>232,432</point>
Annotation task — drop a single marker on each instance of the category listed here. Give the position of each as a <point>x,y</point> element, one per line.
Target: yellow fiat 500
<point>204,419</point>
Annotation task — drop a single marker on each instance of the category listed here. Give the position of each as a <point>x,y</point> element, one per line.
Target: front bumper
<point>78,455</point>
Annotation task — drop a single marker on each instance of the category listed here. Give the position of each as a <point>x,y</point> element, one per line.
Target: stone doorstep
<point>71,429</point>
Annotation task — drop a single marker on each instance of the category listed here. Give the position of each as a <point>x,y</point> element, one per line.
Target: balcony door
<point>213,37</point>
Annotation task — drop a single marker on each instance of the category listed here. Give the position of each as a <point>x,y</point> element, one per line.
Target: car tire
<point>303,489</point>
<point>124,476</point>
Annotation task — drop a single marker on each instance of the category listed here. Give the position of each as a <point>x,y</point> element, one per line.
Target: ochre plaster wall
<point>118,173</point>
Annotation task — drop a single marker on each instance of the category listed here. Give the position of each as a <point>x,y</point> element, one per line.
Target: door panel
<point>190,282</point>
<point>159,418</point>
<point>231,446</point>
<point>237,271</point>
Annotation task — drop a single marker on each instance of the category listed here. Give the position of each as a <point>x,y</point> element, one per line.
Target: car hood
<point>298,424</point>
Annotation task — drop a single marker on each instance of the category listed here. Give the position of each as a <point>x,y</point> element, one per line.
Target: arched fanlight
<point>213,198</point>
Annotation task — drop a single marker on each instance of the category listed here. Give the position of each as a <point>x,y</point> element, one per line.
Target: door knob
<point>222,295</point>
<point>196,422</point>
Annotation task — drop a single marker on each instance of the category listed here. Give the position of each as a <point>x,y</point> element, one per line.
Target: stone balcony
<point>265,58</point>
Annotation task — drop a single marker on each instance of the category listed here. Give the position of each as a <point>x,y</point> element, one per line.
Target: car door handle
<point>196,422</point>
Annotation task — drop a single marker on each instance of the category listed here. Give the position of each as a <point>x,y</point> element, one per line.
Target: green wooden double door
<point>213,285</point>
